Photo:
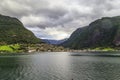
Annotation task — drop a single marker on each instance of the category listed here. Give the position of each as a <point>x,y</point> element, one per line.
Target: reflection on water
<point>59,67</point>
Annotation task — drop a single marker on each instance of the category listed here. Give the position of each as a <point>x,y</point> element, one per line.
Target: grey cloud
<point>53,13</point>
<point>98,7</point>
<point>19,8</point>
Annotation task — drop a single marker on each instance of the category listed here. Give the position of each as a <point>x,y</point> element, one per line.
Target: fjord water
<point>59,66</point>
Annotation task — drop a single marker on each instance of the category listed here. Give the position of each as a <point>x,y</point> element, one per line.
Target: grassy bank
<point>19,48</point>
<point>10,48</point>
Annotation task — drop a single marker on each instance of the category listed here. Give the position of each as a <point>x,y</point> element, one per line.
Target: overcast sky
<point>57,19</point>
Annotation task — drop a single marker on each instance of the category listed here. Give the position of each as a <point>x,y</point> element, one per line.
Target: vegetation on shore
<point>97,49</point>
<point>18,48</point>
<point>10,48</point>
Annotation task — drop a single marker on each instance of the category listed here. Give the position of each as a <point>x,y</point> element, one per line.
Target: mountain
<point>13,31</point>
<point>103,32</point>
<point>54,42</point>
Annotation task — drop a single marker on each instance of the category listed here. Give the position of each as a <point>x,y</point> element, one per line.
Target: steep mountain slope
<point>13,31</point>
<point>100,33</point>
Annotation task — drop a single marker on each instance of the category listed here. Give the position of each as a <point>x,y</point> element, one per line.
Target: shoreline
<point>78,52</point>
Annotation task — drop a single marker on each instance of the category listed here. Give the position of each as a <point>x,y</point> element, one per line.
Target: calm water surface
<point>60,66</point>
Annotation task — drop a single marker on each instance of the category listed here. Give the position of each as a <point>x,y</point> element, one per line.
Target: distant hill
<point>103,32</point>
<point>54,42</point>
<point>13,31</point>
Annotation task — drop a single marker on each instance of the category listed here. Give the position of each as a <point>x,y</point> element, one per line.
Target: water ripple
<point>59,67</point>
